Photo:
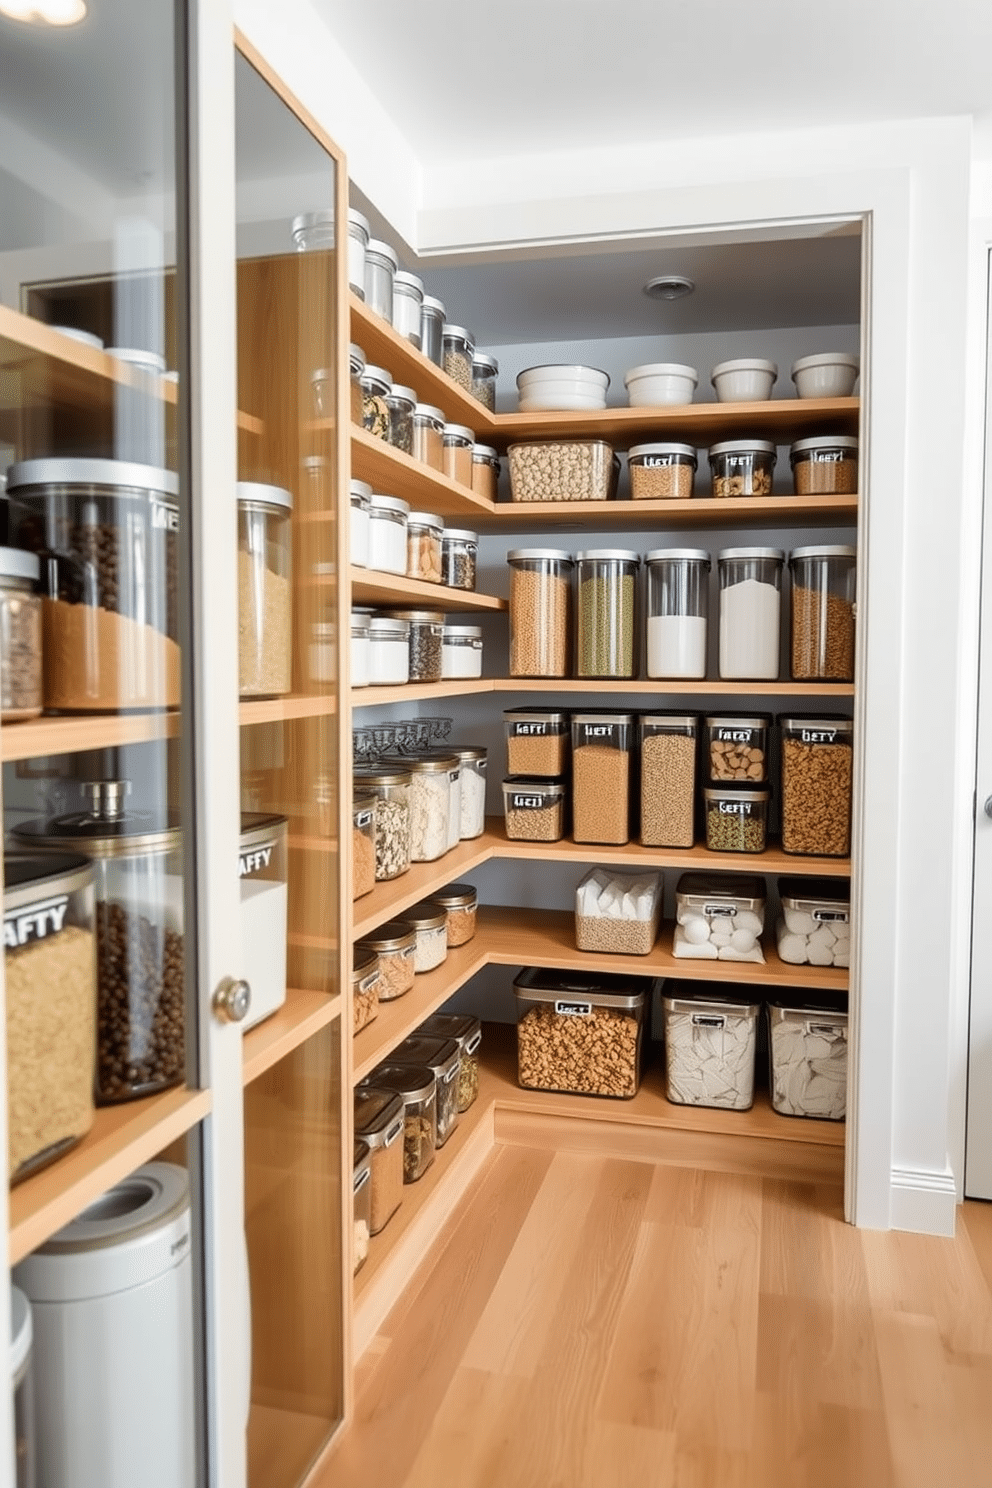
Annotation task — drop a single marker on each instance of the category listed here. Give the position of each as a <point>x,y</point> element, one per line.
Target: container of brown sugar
<point>602,776</point>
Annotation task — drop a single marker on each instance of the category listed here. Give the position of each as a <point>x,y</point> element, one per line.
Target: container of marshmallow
<point>814,928</point>
<point>719,917</point>
<point>618,912</point>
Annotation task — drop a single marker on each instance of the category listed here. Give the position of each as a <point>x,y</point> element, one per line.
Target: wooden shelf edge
<point>285,709</point>
<point>70,735</point>
<point>554,687</point>
<point>418,692</point>
<point>701,511</point>
<point>695,423</point>
<point>371,586</point>
<point>419,882</point>
<point>396,1020</point>
<point>302,1015</point>
<point>395,473</point>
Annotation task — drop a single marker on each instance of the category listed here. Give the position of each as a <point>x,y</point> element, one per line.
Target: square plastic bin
<point>807,1056</point>
<point>534,810</point>
<point>814,928</point>
<point>719,917</point>
<point>618,912</point>
<point>562,470</point>
<point>580,1033</point>
<point>711,1042</point>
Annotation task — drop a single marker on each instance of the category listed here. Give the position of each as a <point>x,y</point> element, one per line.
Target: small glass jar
<point>313,232</point>
<point>461,651</point>
<point>472,759</point>
<point>408,304</point>
<point>458,352</point>
<point>390,786</point>
<point>817,771</point>
<point>376,383</point>
<point>424,538</point>
<point>379,1123</point>
<point>668,778</point>
<point>736,817</point>
<point>431,329</point>
<point>417,1088</point>
<point>361,496</point>
<point>431,925</point>
<point>826,465</point>
<point>678,602</point>
<point>605,635</point>
<point>356,369</point>
<point>389,651</point>
<point>461,902</point>
<point>540,611</point>
<point>603,746</point>
<point>431,786</point>
<point>265,600</point>
<point>363,844</point>
<point>359,232</point>
<point>360,647</point>
<point>485,370</point>
<point>750,612</point>
<point>485,471</point>
<point>534,810</point>
<point>742,467</point>
<point>322,382</point>
<point>426,638</point>
<point>388,516</point>
<point>322,635</point>
<point>361,1205</point>
<point>824,586</point>
<point>428,435</point>
<point>537,741</point>
<point>661,472</point>
<point>458,443</point>
<point>736,747</point>
<point>20,636</point>
<point>395,944</point>
<point>381,264</point>
<point>459,558</point>
<point>401,401</point>
<point>441,1057</point>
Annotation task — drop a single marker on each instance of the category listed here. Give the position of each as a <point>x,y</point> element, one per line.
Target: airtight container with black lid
<point>466,1030</point>
<point>138,886</point>
<point>361,1203</point>
<point>379,1123</point>
<point>814,928</point>
<point>711,1040</point>
<point>441,1057</point>
<point>417,1087</point>
<point>106,534</point>
<point>537,741</point>
<point>265,600</point>
<point>50,969</point>
<point>264,878</point>
<point>807,1054</point>
<point>580,1032</point>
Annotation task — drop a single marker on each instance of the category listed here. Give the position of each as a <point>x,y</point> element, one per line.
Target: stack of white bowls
<point>563,388</point>
<point>658,384</point>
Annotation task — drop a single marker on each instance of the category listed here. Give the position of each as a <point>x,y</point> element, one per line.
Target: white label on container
<point>736,808</point>
<point>45,918</point>
<point>530,730</point>
<point>720,909</point>
<point>651,460</point>
<point>818,736</point>
<point>825,1030</point>
<point>598,730</point>
<point>165,517</point>
<point>530,803</point>
<point>368,982</point>
<point>255,861</point>
<point>363,818</point>
<point>735,736</point>
<point>473,1043</point>
<point>829,457</point>
<point>708,1020</point>
<point>361,1179</point>
<point>574,1009</point>
<point>828,916</point>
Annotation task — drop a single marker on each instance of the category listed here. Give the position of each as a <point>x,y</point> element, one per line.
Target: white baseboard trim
<point>923,1201</point>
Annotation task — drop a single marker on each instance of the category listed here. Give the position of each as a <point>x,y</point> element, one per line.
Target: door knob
<point>232,1000</point>
<point>988,806</point>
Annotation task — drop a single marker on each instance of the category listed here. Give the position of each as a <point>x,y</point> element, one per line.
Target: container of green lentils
<point>417,1088</point>
<point>736,817</point>
<point>605,628</point>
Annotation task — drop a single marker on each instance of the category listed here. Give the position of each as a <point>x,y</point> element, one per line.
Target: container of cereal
<point>395,944</point>
<point>736,817</point>
<point>363,844</point>
<point>458,352</point>
<point>750,612</point>
<point>408,304</point>
<point>467,1034</point>
<point>668,778</point>
<point>458,443</point>
<point>459,557</point>
<point>364,988</point>
<point>460,902</point>
<point>736,746</point>
<point>424,535</point>
<point>537,741</point>
<point>814,928</point>
<point>824,587</point>
<point>432,318</point>
<point>390,786</point>
<point>826,465</point>
<point>428,435</point>
<point>580,1032</point>
<point>461,651</point>
<point>540,611</point>
<point>379,1123</point>
<point>376,383</point>
<point>361,1204</point>
<point>416,1086</point>
<point>265,600</point>
<point>50,970</point>
<point>485,370</point>
<point>605,632</point>
<point>742,467</point>
<point>711,1042</point>
<point>807,1055</point>
<point>602,776</point>
<point>388,517</point>
<point>430,921</point>
<point>381,264</point>
<point>719,917</point>
<point>677,609</point>
<point>817,770</point>
<point>389,651</point>
<point>661,472</point>
<point>618,913</point>
<point>20,636</point>
<point>441,1057</point>
<point>534,809</point>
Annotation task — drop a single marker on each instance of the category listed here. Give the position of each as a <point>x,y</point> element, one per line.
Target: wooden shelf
<point>69,735</point>
<point>419,882</point>
<point>120,1140</point>
<point>663,516</point>
<point>781,419</point>
<point>302,1014</point>
<point>394,473</point>
<point>698,859</point>
<point>384,347</point>
<point>370,586</point>
<point>396,1020</point>
<point>281,710</point>
<point>419,692</point>
<point>555,687</point>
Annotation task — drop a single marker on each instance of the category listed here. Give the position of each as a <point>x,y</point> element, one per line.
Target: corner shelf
<point>391,471</point>
<point>371,586</point>
<point>674,687</point>
<point>661,516</point>
<point>419,692</point>
<point>782,419</point>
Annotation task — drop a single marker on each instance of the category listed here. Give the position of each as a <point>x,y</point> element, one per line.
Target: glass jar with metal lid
<point>485,370</point>
<point>363,844</point>
<point>426,636</point>
<point>138,888</point>
<point>395,944</point>
<point>461,902</point>
<point>750,612</point>
<point>472,759</point>
<point>389,651</point>
<point>50,968</point>
<point>461,651</point>
<point>263,876</point>
<point>361,1204</point>
<point>678,603</point>
<point>390,785</point>
<point>435,801</point>
<point>540,611</point>
<point>388,517</point>
<point>381,264</point>
<point>322,382</point>
<point>742,467</point>
<point>356,369</point>
<point>416,1086</point>
<point>315,231</point>
<point>606,638</point>
<point>459,441</point>
<point>459,557</point>
<point>485,471</point>
<point>265,600</point>
<point>824,588</point>
<point>825,465</point>
<point>428,435</point>
<point>537,741</point>
<point>441,1057</point>
<point>20,636</point>
<point>408,304</point>
<point>376,383</point>
<point>361,497</point>
<point>424,540</point>
<point>107,531</point>
<point>667,778</point>
<point>467,1034</point>
<point>661,472</point>
<point>431,924</point>
<point>359,231</point>
<point>432,317</point>
<point>458,350</point>
<point>401,401</point>
<point>379,1123</point>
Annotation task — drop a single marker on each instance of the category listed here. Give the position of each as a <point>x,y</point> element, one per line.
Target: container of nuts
<point>534,809</point>
<point>395,944</point>
<point>736,817</point>
<point>736,746</point>
<point>668,778</point>
<point>562,470</point>
<point>580,1033</point>
<point>460,903</point>
<point>424,538</point>
<point>417,1088</point>
<point>441,1057</point>
<point>824,581</point>
<point>817,770</point>
<point>537,741</point>
<point>742,467</point>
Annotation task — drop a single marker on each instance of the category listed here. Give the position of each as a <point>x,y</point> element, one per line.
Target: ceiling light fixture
<point>48,12</point>
<point>669,287</point>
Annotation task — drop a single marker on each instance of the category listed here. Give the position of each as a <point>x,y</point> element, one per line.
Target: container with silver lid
<point>22,1388</point>
<point>742,467</point>
<point>431,924</point>
<point>389,651</point>
<point>459,557</point>
<point>484,373</point>
<point>314,231</point>
<point>472,759</point>
<point>364,988</point>
<point>466,1031</point>
<point>395,943</point>
<point>263,876</point>
<point>485,471</point>
<point>606,639</point>
<point>417,1087</point>
<point>537,741</point>
<point>426,637</point>
<point>428,435</point>
<point>401,401</point>
<point>677,605</point>
<point>458,443</point>
<point>388,516</point>
<point>441,1057</point>
<point>106,534</point>
<point>361,496</point>
<point>265,599</point>
<point>390,785</point>
<point>825,465</point>
<point>433,781</point>
<point>461,651</point>
<point>540,611</point>
<point>458,350</point>
<point>381,264</point>
<point>356,366</point>
<point>379,1124</point>
<point>376,383</point>
<point>661,472</point>
<point>424,539</point>
<point>750,612</point>
<point>20,636</point>
<point>824,589</point>
<point>461,902</point>
<point>138,886</point>
<point>432,316</point>
<point>358,239</point>
<point>408,304</point>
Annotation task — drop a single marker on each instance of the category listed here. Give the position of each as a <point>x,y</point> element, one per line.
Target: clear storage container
<point>472,760</point>
<point>618,913</point>
<point>389,651</point>
<point>364,988</point>
<point>467,1034</point>
<point>362,844</point>
<point>677,609</point>
<point>742,467</point>
<point>460,901</point>
<point>605,632</point>
<point>562,470</point>
<point>661,472</point>
<point>263,875</point>
<point>361,497</point>
<point>359,232</point>
<point>356,367</point>
<point>376,383</point>
<point>711,1041</point>
<point>537,741</point>
<point>315,231</point>
<point>426,636</point>
<point>580,1032</point>
<point>441,1057</point>
<point>540,611</point>
<point>322,382</point>
<point>400,402</point>
<point>381,264</point>
<point>361,1204</point>
<point>108,533</point>
<point>265,598</point>
<point>824,581</point>
<point>719,917</point>
<point>22,1389</point>
<point>390,786</point>
<point>826,465</point>
<point>807,1055</point>
<point>388,517</point>
<point>736,746</point>
<point>360,647</point>
<point>602,776</point>
<point>50,969</point>
<point>534,809</point>
<point>424,537</point>
<point>408,304</point>
<point>432,782</point>
<point>20,636</point>
<point>430,922</point>
<point>817,770</point>
<point>736,817</point>
<point>379,1124</point>
<point>750,612</point>
<point>416,1087</point>
<point>485,370</point>
<point>458,443</point>
<point>432,316</point>
<point>395,944</point>
<point>485,471</point>
<point>461,651</point>
<point>138,887</point>
<point>814,928</point>
<point>668,746</point>
<point>428,435</point>
<point>458,351</point>
<point>459,557</point>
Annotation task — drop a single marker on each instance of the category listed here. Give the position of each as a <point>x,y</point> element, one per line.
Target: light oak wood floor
<point>593,1323</point>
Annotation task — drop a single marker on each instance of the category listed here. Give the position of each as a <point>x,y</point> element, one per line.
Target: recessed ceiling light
<point>669,287</point>
<point>48,12</point>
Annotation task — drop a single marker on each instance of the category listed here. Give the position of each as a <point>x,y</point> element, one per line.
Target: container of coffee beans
<point>106,534</point>
<point>138,886</point>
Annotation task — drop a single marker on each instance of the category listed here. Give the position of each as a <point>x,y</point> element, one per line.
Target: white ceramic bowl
<point>657,383</point>
<point>580,378</point>
<point>744,380</point>
<point>540,401</point>
<point>829,374</point>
